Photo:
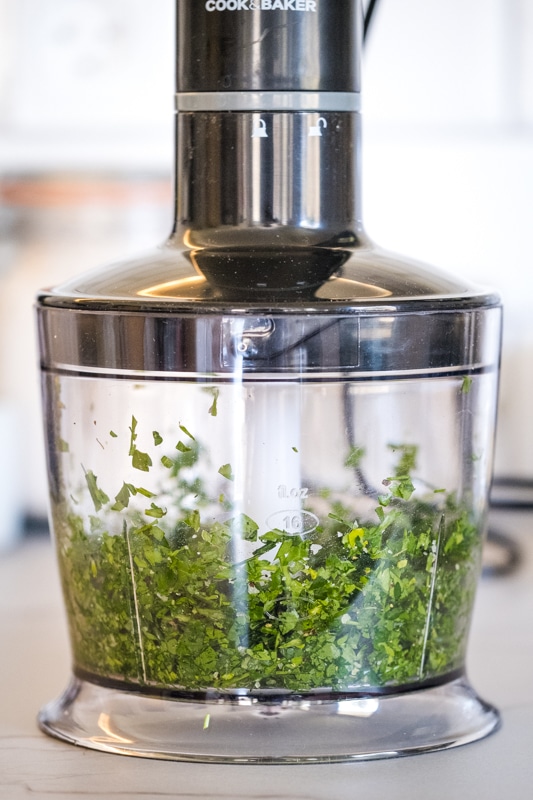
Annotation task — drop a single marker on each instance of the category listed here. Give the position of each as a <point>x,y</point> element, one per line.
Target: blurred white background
<point>448,109</point>
<point>86,126</point>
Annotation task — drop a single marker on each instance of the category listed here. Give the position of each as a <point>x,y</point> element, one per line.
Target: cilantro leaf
<point>98,496</point>
<point>133,436</point>
<point>193,520</point>
<point>466,384</point>
<point>354,457</point>
<point>155,511</point>
<point>213,409</point>
<point>244,526</point>
<point>226,472</point>
<point>141,461</point>
<point>186,432</point>
<point>122,499</point>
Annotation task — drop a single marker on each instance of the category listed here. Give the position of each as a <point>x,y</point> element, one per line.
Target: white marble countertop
<point>34,667</point>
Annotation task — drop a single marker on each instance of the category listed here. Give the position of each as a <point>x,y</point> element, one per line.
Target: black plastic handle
<point>268,45</point>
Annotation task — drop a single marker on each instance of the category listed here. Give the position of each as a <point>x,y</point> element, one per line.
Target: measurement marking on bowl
<point>293,522</point>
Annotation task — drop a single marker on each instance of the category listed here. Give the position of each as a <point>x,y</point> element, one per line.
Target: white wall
<point>86,83</point>
<point>86,87</point>
<point>448,178</point>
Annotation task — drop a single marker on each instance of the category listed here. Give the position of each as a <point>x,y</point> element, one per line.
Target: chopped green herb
<point>183,448</point>
<point>155,511</point>
<point>141,461</point>
<point>133,437</point>
<point>401,486</point>
<point>466,384</point>
<point>158,439</point>
<point>354,457</point>
<point>186,432</point>
<point>122,499</point>
<point>113,434</point>
<point>295,449</point>
<point>144,492</point>
<point>221,603</point>
<point>62,446</point>
<point>407,462</point>
<point>244,526</point>
<point>193,520</point>
<point>224,502</point>
<point>98,497</point>
<point>213,407</point>
<point>226,472</point>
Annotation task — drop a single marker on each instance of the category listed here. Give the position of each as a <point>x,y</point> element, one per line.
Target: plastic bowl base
<point>280,731</point>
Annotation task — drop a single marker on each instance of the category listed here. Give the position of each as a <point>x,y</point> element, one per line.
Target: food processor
<point>269,441</point>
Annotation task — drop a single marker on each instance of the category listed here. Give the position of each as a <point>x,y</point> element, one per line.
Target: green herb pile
<point>355,604</point>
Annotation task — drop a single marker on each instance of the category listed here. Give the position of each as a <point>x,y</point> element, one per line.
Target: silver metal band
<point>268,101</point>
